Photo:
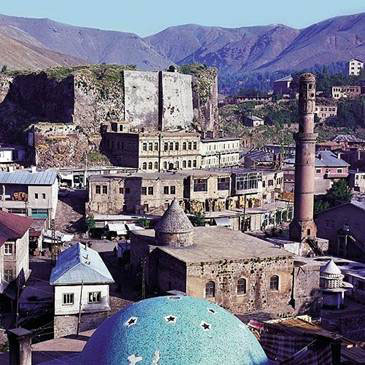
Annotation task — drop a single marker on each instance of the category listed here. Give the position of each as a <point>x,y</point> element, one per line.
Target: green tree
<point>339,193</point>
<point>90,223</point>
<point>197,220</point>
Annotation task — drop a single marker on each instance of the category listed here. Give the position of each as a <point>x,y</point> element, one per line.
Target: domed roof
<point>173,330</point>
<point>174,220</point>
<point>330,268</point>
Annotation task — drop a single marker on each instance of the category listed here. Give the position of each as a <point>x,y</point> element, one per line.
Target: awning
<point>118,228</point>
<point>223,222</point>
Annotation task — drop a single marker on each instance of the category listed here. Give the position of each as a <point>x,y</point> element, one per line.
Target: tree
<point>339,193</point>
<point>197,220</point>
<point>90,223</point>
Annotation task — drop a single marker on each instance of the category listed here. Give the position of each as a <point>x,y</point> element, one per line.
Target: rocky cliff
<point>60,111</point>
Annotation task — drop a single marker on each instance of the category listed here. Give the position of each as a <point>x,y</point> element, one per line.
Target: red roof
<point>12,226</point>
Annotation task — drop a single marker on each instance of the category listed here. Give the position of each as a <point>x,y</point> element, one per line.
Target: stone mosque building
<point>239,272</point>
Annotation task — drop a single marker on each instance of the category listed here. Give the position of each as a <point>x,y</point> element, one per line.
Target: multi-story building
<point>357,180</point>
<point>219,152</point>
<point>325,108</point>
<point>33,194</point>
<point>14,248</point>
<point>252,121</point>
<point>355,67</point>
<point>154,151</point>
<point>348,92</point>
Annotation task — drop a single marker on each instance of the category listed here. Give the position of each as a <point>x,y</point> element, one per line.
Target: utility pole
<point>54,243</point>
<point>80,304</point>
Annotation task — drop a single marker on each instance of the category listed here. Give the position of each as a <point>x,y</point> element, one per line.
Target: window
<point>9,248</point>
<point>195,146</point>
<point>150,146</point>
<point>121,190</point>
<point>339,171</point>
<point>189,163</point>
<point>194,163</point>
<point>95,297</point>
<point>17,211</point>
<point>241,286</point>
<point>176,146</point>
<point>144,147</point>
<point>318,171</point>
<point>156,146</point>
<point>68,298</point>
<point>210,289</point>
<point>223,183</point>
<point>200,185</point>
<point>144,166</point>
<point>156,165</point>
<point>43,195</point>
<point>184,146</point>
<point>247,181</point>
<point>165,165</point>
<point>274,282</point>
<point>36,196</point>
<point>270,183</point>
<point>171,146</point>
<point>166,146</point>
<point>8,275</point>
<point>105,189</point>
<point>190,145</point>
<point>150,166</point>
<point>98,189</point>
<point>150,190</point>
<point>172,190</point>
<point>165,189</point>
<point>184,164</point>
<point>144,190</point>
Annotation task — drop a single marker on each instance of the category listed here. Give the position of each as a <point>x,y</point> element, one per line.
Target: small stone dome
<point>174,228</point>
<point>331,276</point>
<point>173,330</point>
<point>330,268</point>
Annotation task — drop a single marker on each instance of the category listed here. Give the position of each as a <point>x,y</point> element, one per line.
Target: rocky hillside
<point>21,51</point>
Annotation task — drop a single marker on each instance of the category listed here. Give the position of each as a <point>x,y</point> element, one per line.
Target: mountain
<point>91,45</point>
<point>21,51</point>
<point>234,51</point>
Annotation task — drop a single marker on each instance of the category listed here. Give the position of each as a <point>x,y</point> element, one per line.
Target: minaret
<point>303,225</point>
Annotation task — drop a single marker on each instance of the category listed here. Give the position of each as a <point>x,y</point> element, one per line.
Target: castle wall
<point>141,90</point>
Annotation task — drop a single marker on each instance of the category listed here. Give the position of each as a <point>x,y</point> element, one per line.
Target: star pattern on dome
<point>131,321</point>
<point>211,310</point>
<point>206,326</point>
<point>134,359</point>
<point>170,319</point>
<point>156,358</point>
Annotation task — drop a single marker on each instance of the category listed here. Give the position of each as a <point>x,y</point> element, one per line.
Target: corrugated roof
<point>46,177</point>
<point>78,264</point>
<point>286,78</point>
<point>329,159</point>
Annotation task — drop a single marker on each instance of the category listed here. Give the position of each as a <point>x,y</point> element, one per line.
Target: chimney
<point>20,341</point>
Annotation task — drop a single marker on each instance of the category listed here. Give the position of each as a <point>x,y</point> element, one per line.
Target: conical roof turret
<point>330,268</point>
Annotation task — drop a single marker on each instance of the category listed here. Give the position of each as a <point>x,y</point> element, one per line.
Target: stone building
<point>134,193</point>
<point>219,152</point>
<point>282,86</point>
<point>252,121</point>
<point>355,67</point>
<point>242,273</point>
<point>154,151</point>
<point>81,283</point>
<point>348,91</point>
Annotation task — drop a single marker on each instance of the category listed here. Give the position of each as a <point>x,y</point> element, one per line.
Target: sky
<point>146,17</point>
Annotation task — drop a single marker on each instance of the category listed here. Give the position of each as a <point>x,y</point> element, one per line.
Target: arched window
<point>210,289</point>
<point>184,146</point>
<point>156,165</point>
<point>274,282</point>
<point>241,286</point>
<point>150,166</point>
<point>144,166</point>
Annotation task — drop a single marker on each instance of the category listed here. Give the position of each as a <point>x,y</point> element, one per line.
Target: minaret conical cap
<point>330,268</point>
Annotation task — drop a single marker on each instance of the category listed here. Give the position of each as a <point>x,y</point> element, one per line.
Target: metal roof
<point>46,177</point>
<point>79,264</point>
<point>329,159</point>
<point>286,78</point>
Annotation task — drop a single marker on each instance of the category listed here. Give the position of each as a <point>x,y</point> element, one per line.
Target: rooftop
<point>79,264</point>
<point>217,243</point>
<point>12,226</point>
<point>47,177</point>
<point>330,268</point>
<point>286,78</point>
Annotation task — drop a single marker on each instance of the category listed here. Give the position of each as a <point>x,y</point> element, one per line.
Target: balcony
<point>335,175</point>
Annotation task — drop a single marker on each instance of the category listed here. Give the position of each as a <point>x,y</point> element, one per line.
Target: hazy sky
<point>146,17</point>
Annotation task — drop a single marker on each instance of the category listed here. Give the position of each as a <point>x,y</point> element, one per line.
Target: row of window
<point>154,166</point>
<point>338,171</point>
<point>93,298</point>
<point>241,287</point>
<point>219,147</point>
<point>170,146</point>
<point>36,195</point>
<point>325,109</point>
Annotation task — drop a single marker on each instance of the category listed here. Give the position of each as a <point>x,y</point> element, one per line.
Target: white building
<point>355,67</point>
<point>253,121</point>
<point>81,282</point>
<point>219,152</point>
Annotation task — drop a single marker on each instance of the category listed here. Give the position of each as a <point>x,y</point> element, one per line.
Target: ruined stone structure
<point>89,96</point>
<point>237,271</point>
<point>303,226</point>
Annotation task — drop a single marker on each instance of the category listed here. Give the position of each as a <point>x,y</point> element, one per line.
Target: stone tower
<point>303,226</point>
<point>174,229</point>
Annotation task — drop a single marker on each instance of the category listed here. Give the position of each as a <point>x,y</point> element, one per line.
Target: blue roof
<point>78,264</point>
<point>173,330</point>
<point>46,177</point>
<point>324,159</point>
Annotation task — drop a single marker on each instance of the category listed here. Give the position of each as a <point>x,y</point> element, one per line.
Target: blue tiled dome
<point>173,330</point>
